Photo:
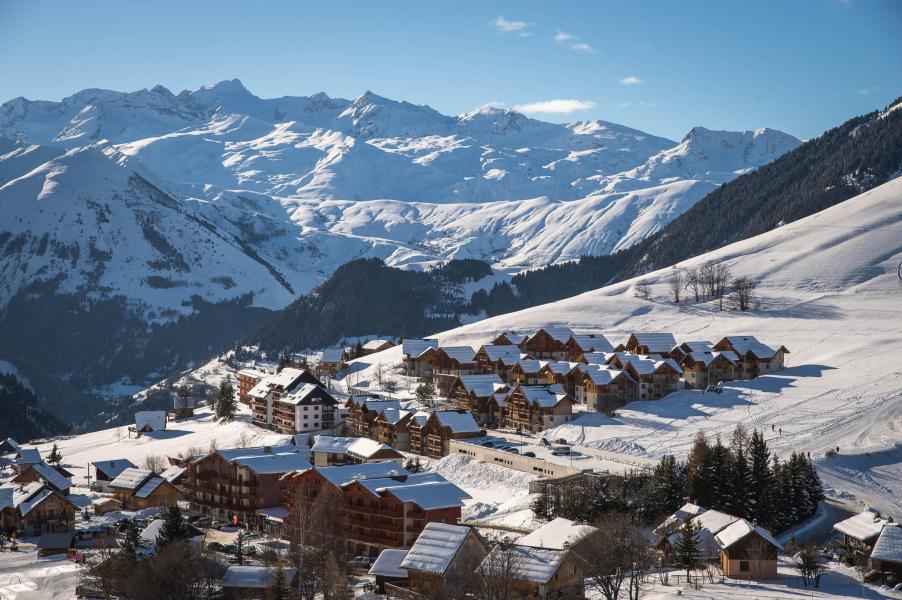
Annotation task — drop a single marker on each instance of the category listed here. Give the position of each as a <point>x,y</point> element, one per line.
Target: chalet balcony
<point>367,510</point>
<point>367,538</point>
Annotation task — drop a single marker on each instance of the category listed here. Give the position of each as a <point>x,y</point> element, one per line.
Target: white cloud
<point>631,80</point>
<point>624,104</point>
<point>866,91</point>
<point>573,42</point>
<point>557,106</point>
<point>502,25</point>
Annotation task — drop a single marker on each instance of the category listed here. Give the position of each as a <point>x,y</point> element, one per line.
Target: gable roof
<point>155,420</point>
<point>414,347</point>
<point>393,416</point>
<point>173,473</point>
<point>376,344</point>
<point>482,385</point>
<point>301,394</point>
<point>359,447</point>
<point>546,396</point>
<point>343,474</point>
<point>737,531</point>
<point>332,355</point>
<point>28,456</point>
<point>264,460</point>
<point>150,486</point>
<point>461,354</point>
<point>559,334</point>
<point>34,494</point>
<point>557,534</point>
<point>435,548</point>
<point>11,443</point>
<point>51,476</point>
<point>388,564</point>
<point>749,344</point>
<point>513,337</point>
<point>561,367</point>
<point>532,564</point>
<point>458,421</point>
<point>678,518</point>
<point>112,468</point>
<point>531,365</point>
<point>889,544</point>
<point>657,342</point>
<point>592,342</point>
<point>150,533</point>
<point>864,526</point>
<point>602,375</point>
<point>429,495</point>
<point>131,478</point>
<point>505,353</point>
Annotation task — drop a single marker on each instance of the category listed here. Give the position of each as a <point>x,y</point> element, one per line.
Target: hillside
<point>827,289</point>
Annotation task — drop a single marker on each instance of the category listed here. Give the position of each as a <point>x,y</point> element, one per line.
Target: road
<point>25,577</point>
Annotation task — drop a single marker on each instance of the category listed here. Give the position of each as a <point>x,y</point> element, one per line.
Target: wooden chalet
<point>331,361</point>
<point>655,377</point>
<point>747,551</point>
<point>9,446</point>
<point>387,569</point>
<point>562,372</point>
<point>678,353</point>
<point>411,349</point>
<point>442,426</point>
<point>860,532</point>
<point>362,413</point>
<point>105,471</point>
<point>541,573</point>
<point>446,363</point>
<point>238,482</point>
<point>548,343</point>
<point>886,557</point>
<point>373,346</point>
<point>441,556</point>
<point>416,428</point>
<point>536,408</point>
<point>56,477</point>
<point>605,389</point>
<point>704,368</point>
<point>35,508</point>
<point>579,344</point>
<point>473,392</point>
<point>509,338</point>
<point>391,428</point>
<point>755,357</point>
<point>292,401</point>
<point>498,359</point>
<point>527,371</point>
<point>138,489</point>
<point>248,378</point>
<point>330,451</point>
<point>650,343</point>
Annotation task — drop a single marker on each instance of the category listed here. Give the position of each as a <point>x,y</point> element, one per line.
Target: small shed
<point>102,506</point>
<point>747,551</point>
<point>55,543</point>
<point>387,568</point>
<point>9,446</point>
<point>148,420</point>
<point>887,554</point>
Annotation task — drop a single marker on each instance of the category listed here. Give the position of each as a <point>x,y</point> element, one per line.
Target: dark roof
<point>56,540</point>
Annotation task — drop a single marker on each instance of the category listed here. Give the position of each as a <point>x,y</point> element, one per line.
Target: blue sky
<point>664,67</point>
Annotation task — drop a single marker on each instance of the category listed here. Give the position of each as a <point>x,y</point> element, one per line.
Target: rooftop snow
<point>864,526</point>
<point>415,347</point>
<point>738,530</point>
<point>344,474</point>
<point>506,353</point>
<point>361,447</point>
<point>150,487</point>
<point>559,334</point>
<point>29,456</point>
<point>389,563</point>
<point>429,496</point>
<point>678,518</point>
<point>52,476</point>
<point>435,548</point>
<point>375,344</point>
<point>112,468</point>
<point>889,544</point>
<point>459,421</point>
<point>152,531</point>
<point>252,576</point>
<point>557,534</point>
<point>155,420</point>
<point>531,365</point>
<point>173,473</point>
<point>657,342</point>
<point>270,464</point>
<point>593,342</point>
<point>532,564</point>
<point>462,354</point>
<point>482,385</point>
<point>131,478</point>
<point>332,355</point>
<point>544,396</point>
<point>745,344</point>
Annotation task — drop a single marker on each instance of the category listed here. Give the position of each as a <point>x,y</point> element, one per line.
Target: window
<point>743,566</point>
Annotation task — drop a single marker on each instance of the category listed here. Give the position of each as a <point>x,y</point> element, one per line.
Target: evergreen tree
<point>739,505</point>
<point>174,527</point>
<point>239,547</point>
<point>761,484</point>
<point>56,456</point>
<point>131,541</point>
<point>226,405</point>
<point>425,392</point>
<point>698,471</point>
<point>668,486</point>
<point>687,550</point>
<point>279,589</point>
<point>720,477</point>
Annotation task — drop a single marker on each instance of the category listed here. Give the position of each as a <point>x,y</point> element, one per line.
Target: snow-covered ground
<point>827,289</point>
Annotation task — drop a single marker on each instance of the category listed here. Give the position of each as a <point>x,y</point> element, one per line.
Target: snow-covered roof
<point>150,487</point>
<point>656,342</point>
<point>745,344</point>
<point>415,347</point>
<point>274,462</point>
<point>376,344</point>
<point>546,396</point>
<point>28,456</point>
<point>35,493</point>
<point>532,564</point>
<point>696,345</point>
<point>459,421</point>
<point>561,367</point>
<point>343,474</point>
<point>714,520</point>
<point>513,336</point>
<point>12,496</point>
<point>301,393</point>
<point>482,385</point>
<point>359,447</point>
<point>394,416</point>
<point>558,334</point>
<point>678,518</point>
<point>435,548</point>
<point>253,576</point>
<point>429,496</point>
<point>462,354</point>
<point>420,417</point>
<point>738,530</point>
<point>601,375</point>
<point>377,406</point>
<point>889,544</point>
<point>131,478</point>
<point>52,476</point>
<point>531,365</point>
<point>592,342</point>
<point>332,355</point>
<point>389,563</point>
<point>173,473</point>
<point>706,357</point>
<point>505,353</point>
<point>557,534</point>
<point>596,358</point>
<point>13,444</point>
<point>375,485</point>
<point>864,526</point>
<point>153,420</point>
<point>152,531</point>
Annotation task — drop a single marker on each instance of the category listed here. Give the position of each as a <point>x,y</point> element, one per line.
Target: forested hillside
<point>23,415</point>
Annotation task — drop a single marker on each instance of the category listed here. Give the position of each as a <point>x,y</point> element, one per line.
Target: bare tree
<point>809,564</point>
<point>743,293</point>
<point>676,283</point>
<point>694,282</point>
<point>642,290</point>
<point>616,554</point>
<point>155,463</point>
<point>316,536</point>
<point>713,279</point>
<point>498,575</point>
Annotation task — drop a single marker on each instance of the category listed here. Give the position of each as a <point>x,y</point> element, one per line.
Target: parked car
<point>488,444</point>
<point>360,562</point>
<point>562,442</point>
<point>544,441</point>
<point>512,450</point>
<point>203,522</point>
<point>530,454</point>
<point>560,451</point>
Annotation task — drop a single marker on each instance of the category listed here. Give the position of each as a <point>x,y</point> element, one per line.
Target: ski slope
<point>828,290</point>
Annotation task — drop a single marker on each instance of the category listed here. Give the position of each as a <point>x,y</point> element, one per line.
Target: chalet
<point>183,403</point>
<point>417,432</point>
<point>387,568</point>
<point>175,475</point>
<point>9,446</point>
<point>473,392</point>
<point>650,343</point>
<point>527,371</point>
<point>105,505</point>
<point>138,489</point>
<point>442,555</point>
<point>755,358</point>
<point>328,451</point>
<point>678,353</point>
<point>391,428</point>
<point>702,368</point>
<point>549,343</point>
<point>363,411</point>
<point>51,543</point>
<point>498,409</point>
<point>558,534</point>
<point>384,506</point>
<point>331,361</point>
<point>237,482</point>
<point>710,523</point>
<point>253,582</point>
<point>497,359</point>
<point>605,389</point>
<point>411,349</point>
<point>25,457</point>
<point>579,344</point>
<point>106,471</point>
<point>536,408</point>
<point>247,379</point>
<point>35,508</point>
<point>676,520</point>
<point>442,426</point>
<point>446,363</point>
<point>373,346</point>
<point>860,532</point>
<point>290,402</point>
<point>147,421</point>
<point>56,477</point>
<point>655,377</point>
<point>886,557</point>
<point>747,551</point>
<point>509,338</point>
<point>542,573</point>
<point>564,373</point>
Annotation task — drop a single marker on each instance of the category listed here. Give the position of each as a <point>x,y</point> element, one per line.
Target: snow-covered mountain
<point>215,192</point>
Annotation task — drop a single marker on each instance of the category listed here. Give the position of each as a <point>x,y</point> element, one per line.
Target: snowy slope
<point>828,290</point>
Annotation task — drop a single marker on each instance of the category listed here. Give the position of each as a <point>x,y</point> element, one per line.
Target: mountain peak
<point>230,86</point>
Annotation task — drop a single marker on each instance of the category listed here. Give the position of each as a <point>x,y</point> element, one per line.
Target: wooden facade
<point>548,344</point>
<point>710,368</point>
<point>605,394</point>
<point>752,557</point>
<point>527,413</point>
